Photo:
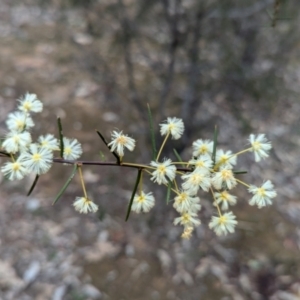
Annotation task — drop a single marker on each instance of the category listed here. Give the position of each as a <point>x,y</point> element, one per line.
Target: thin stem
<point>243,151</point>
<point>180,173</point>
<point>148,172</point>
<point>243,183</point>
<point>141,183</point>
<point>215,202</point>
<point>173,190</point>
<point>12,157</point>
<point>176,192</point>
<point>219,211</point>
<point>136,165</point>
<point>235,154</point>
<point>162,146</point>
<point>176,186</point>
<point>82,182</point>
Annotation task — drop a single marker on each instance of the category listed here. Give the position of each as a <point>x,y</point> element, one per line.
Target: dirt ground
<point>52,252</point>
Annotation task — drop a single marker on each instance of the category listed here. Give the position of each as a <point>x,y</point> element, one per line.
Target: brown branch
<point>109,163</point>
<point>4,154</point>
<point>100,163</point>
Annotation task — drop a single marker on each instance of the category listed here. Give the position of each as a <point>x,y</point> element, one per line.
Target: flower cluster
<point>206,172</point>
<point>209,169</point>
<point>25,155</point>
<point>28,156</point>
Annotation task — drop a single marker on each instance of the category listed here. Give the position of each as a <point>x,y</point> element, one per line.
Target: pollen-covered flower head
<point>16,141</point>
<point>223,224</point>
<point>262,195</point>
<point>48,141</point>
<point>174,126</point>
<point>14,170</point>
<point>163,171</point>
<point>224,179</point>
<point>195,180</point>
<point>119,141</point>
<point>142,202</point>
<point>225,199</point>
<point>260,146</point>
<point>72,149</point>
<point>37,160</point>
<point>185,202</point>
<point>30,103</point>
<point>19,121</point>
<point>202,163</point>
<point>188,219</point>
<point>202,147</point>
<point>225,158</point>
<point>85,205</point>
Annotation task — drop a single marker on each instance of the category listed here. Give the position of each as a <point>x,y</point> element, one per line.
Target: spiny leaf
<point>133,193</point>
<point>215,145</point>
<point>106,144</point>
<point>154,151</point>
<point>61,137</point>
<point>239,172</point>
<point>178,156</point>
<point>75,168</point>
<point>33,185</point>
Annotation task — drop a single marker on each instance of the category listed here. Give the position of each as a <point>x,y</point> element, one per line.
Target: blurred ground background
<point>96,64</point>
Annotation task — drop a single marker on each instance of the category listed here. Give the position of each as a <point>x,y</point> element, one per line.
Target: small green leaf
<point>33,185</point>
<point>75,168</point>
<point>178,156</point>
<point>154,151</point>
<point>103,139</point>
<point>61,137</point>
<point>133,193</point>
<point>169,192</point>
<point>102,156</point>
<point>215,145</point>
<point>106,144</point>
